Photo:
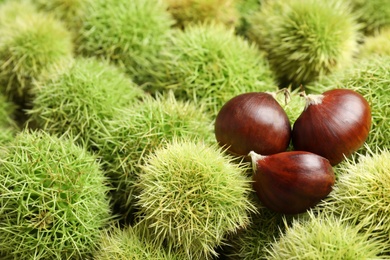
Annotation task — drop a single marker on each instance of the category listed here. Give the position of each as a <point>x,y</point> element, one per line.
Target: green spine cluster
<point>10,10</point>
<point>138,130</point>
<point>200,11</point>
<point>71,12</point>
<point>378,44</point>
<point>305,39</point>
<point>209,64</point>
<point>77,99</point>
<point>53,199</point>
<point>30,43</point>
<point>371,78</point>
<point>129,33</point>
<point>191,196</point>
<point>324,236</point>
<point>7,112</point>
<point>123,243</point>
<point>252,241</point>
<point>245,9</point>
<point>361,195</point>
<point>6,135</point>
<point>291,101</point>
<point>8,125</point>
<point>373,14</point>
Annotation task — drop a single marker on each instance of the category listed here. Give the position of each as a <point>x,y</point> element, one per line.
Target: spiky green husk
<point>324,236</point>
<point>291,101</point>
<point>265,227</point>
<point>69,11</point>
<point>371,78</point>
<point>191,195</point>
<point>251,242</point>
<point>128,33</point>
<point>378,44</point>
<point>305,39</point>
<point>6,135</point>
<point>138,130</point>
<point>7,112</point>
<point>129,243</point>
<point>76,100</point>
<point>200,11</point>
<point>209,64</point>
<point>30,43</point>
<point>9,10</point>
<point>361,194</point>
<point>53,199</point>
<point>8,125</point>
<point>374,14</point>
<point>245,9</point>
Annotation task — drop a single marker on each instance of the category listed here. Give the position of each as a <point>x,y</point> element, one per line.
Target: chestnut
<point>334,124</point>
<point>291,182</point>
<point>253,121</point>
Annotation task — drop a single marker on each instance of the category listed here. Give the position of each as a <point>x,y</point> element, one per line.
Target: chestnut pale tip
<point>255,157</point>
<point>313,100</point>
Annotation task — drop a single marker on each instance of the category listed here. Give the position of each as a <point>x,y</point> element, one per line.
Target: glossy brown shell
<point>335,128</point>
<point>253,122</point>
<point>292,182</point>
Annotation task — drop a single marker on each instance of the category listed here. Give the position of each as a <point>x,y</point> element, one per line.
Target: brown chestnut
<point>253,121</point>
<point>291,182</point>
<point>334,124</point>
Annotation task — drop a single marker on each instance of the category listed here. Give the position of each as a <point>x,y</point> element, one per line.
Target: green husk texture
<point>7,112</point>
<point>292,102</point>
<point>209,64</point>
<point>371,78</point>
<point>361,194</point>
<point>76,100</point>
<point>68,11</point>
<point>138,130</point>
<point>324,236</point>
<point>245,9</point>
<point>10,10</point>
<point>200,11</point>
<point>373,14</point>
<point>30,43</point>
<point>192,195</point>
<point>53,199</point>
<point>251,243</point>
<point>305,39</point>
<point>129,243</point>
<point>8,125</point>
<point>6,134</point>
<point>129,33</point>
<point>378,44</point>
